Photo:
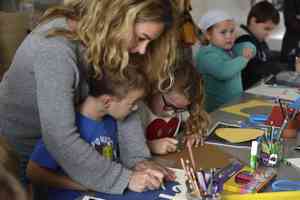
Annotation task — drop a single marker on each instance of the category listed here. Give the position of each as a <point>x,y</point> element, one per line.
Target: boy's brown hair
<point>263,12</point>
<point>113,84</point>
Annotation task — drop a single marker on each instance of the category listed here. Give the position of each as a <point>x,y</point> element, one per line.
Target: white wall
<point>239,9</point>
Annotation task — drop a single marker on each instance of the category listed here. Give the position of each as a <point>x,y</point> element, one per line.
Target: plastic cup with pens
<point>270,149</point>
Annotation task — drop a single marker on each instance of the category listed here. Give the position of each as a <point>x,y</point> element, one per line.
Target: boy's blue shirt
<point>94,132</point>
<point>97,133</point>
<point>221,73</point>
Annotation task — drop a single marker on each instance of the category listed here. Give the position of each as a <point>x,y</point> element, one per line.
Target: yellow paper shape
<point>237,135</point>
<point>237,109</point>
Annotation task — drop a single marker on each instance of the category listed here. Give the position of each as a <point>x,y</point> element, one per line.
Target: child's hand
<point>147,179</point>
<point>163,145</point>
<point>194,139</point>
<point>248,53</point>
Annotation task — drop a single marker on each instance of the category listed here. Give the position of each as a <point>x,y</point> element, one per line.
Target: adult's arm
<point>291,21</point>
<point>132,141</point>
<point>42,169</point>
<point>56,75</point>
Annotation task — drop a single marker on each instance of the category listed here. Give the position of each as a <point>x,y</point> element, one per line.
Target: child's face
<point>171,103</point>
<point>121,108</point>
<point>222,34</point>
<point>261,30</point>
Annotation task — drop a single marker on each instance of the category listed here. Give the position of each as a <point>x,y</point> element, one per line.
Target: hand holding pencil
<point>146,179</point>
<point>168,174</point>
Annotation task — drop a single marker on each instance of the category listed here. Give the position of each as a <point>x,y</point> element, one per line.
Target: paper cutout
<point>287,93</point>
<point>216,140</point>
<point>237,135</point>
<point>238,108</point>
<point>294,161</point>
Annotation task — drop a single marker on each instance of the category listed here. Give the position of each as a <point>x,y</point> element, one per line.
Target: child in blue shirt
<point>112,97</point>
<point>221,62</point>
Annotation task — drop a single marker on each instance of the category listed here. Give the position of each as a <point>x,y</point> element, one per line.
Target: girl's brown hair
<point>189,82</point>
<point>105,28</point>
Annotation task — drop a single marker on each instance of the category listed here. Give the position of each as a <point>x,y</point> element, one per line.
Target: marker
<point>162,185</point>
<point>283,126</point>
<point>253,155</point>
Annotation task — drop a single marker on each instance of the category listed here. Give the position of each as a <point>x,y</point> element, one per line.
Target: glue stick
<point>253,155</point>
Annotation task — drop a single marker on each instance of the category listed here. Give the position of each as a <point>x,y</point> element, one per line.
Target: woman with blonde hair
<point>48,78</point>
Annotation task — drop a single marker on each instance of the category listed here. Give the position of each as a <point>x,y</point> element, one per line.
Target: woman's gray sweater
<point>37,98</point>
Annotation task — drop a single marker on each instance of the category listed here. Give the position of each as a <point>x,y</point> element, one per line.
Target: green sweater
<point>221,73</point>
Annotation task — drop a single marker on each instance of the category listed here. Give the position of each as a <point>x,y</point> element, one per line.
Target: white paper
<point>282,92</point>
<point>294,161</point>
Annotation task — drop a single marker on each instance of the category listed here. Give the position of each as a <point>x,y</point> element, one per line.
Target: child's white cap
<point>213,17</point>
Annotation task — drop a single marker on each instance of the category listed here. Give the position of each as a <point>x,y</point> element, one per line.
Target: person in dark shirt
<point>291,11</point>
<point>261,21</point>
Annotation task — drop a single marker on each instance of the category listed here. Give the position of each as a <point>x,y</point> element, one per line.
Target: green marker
<point>253,155</point>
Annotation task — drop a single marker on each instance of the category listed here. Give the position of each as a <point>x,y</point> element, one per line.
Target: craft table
<point>284,171</point>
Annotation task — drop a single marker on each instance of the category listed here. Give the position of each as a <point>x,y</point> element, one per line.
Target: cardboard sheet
<point>216,159</point>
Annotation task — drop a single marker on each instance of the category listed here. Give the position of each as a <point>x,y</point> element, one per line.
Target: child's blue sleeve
<point>42,157</point>
<point>238,48</point>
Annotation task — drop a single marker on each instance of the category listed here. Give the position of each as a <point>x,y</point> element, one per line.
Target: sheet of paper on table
<point>282,92</point>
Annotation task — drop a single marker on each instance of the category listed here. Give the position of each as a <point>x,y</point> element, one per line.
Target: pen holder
<point>271,153</point>
<point>291,129</point>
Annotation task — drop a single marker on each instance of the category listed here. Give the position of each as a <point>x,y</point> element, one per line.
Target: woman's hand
<point>168,174</point>
<point>146,179</point>
<point>163,145</point>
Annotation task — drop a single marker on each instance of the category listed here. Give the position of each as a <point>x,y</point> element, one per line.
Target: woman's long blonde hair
<point>106,26</point>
